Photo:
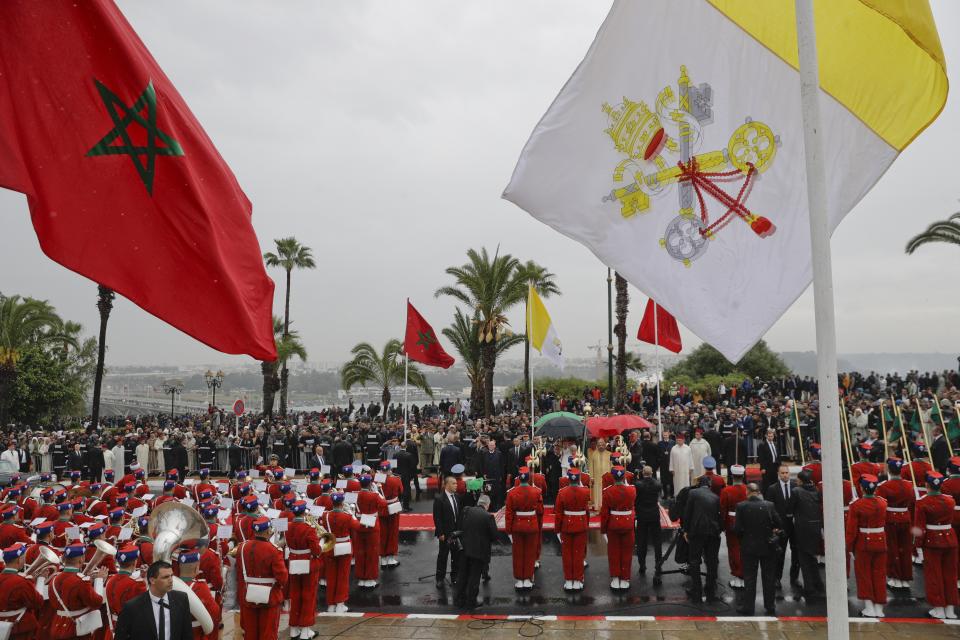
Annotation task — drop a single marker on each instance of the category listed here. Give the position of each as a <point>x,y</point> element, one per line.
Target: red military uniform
<point>390,527</point>
<point>72,596</point>
<point>19,593</point>
<point>717,483</point>
<point>314,489</point>
<point>730,497</point>
<point>900,498</point>
<point>259,562</point>
<point>200,487</point>
<point>202,590</point>
<point>617,523</point>
<point>119,589</point>
<point>863,468</point>
<point>11,532</point>
<point>324,501</point>
<point>867,538</point>
<point>816,471</point>
<point>572,523</point>
<point>538,480</point>
<point>921,468</point>
<point>145,544</point>
<point>606,480</point>
<point>524,521</point>
<point>211,570</point>
<point>934,518</point>
<point>951,487</point>
<point>341,524</point>
<point>303,547</point>
<point>584,481</point>
<point>367,552</point>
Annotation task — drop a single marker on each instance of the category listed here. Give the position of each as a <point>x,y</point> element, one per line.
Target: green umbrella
<point>556,414</point>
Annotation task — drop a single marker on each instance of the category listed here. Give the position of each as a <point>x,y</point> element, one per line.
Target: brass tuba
<point>46,561</point>
<point>172,524</point>
<point>327,539</point>
<point>104,549</point>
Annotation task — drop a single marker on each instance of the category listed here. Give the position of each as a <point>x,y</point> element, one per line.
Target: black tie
<point>786,490</point>
<point>163,617</point>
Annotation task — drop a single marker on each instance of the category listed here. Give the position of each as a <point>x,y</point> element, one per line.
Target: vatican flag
<point>675,151</point>
<point>540,329</point>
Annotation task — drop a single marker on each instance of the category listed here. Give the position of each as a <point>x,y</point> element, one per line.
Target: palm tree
<point>620,330</point>
<point>290,255</point>
<point>288,346</point>
<point>463,334</point>
<point>384,369</point>
<point>543,283</point>
<point>490,287</point>
<point>25,322</point>
<point>632,362</point>
<point>940,231</point>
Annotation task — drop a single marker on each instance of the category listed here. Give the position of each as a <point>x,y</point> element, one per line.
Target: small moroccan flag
<point>123,184</point>
<point>665,332</point>
<point>421,342</point>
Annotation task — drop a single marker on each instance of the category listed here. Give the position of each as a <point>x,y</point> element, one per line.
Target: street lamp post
<point>214,381</point>
<point>173,387</point>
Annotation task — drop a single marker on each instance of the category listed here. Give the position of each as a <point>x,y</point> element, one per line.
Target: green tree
<point>384,369</point>
<point>490,286</point>
<point>544,284</point>
<point>631,362</point>
<point>288,346</point>
<point>759,362</point>
<point>290,255</point>
<point>463,334</point>
<point>940,231</point>
<point>620,330</point>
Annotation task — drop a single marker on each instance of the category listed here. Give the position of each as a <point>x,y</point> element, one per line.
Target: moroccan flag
<point>666,332</point>
<point>124,186</point>
<point>675,150</point>
<point>421,342</point>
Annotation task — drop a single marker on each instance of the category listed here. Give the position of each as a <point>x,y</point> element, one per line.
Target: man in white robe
<point>699,449</point>
<point>119,453</point>
<point>681,464</point>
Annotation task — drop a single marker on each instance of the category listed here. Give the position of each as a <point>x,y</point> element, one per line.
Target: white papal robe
<point>681,465</point>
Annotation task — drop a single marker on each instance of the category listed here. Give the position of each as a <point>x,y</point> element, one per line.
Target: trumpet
<point>104,549</point>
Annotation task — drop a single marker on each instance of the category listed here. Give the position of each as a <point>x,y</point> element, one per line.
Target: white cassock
<point>699,449</point>
<point>143,456</point>
<point>107,461</point>
<point>118,461</point>
<point>680,465</point>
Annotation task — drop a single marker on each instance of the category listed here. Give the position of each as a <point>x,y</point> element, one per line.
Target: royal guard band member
<point>77,599</point>
<point>951,487</point>
<point>79,517</point>
<point>337,562</point>
<point>867,538</point>
<point>572,523</point>
<point>96,506</point>
<point>717,483</point>
<point>324,499</point>
<point>203,485</point>
<point>303,548</point>
<point>576,462</point>
<point>261,580</point>
<point>179,491</point>
<point>864,451</point>
<point>242,490</point>
<point>123,586</point>
<point>313,488</point>
<point>62,523</point>
<point>370,507</point>
<point>616,524</point>
<point>210,566</point>
<point>94,533</point>
<point>11,530</point>
<point>20,603</point>
<point>48,508</point>
<point>282,490</point>
<point>111,488</point>
<point>538,480</point>
<point>239,479</point>
<point>918,467</point>
<point>524,521</point>
<point>607,480</point>
<point>347,482</point>
<point>115,526</point>
<point>730,497</point>
<point>189,562</point>
<point>167,496</point>
<point>933,526</point>
<point>243,523</point>
<point>31,507</point>
<point>900,497</point>
<point>392,489</point>
<point>144,542</point>
<point>815,466</point>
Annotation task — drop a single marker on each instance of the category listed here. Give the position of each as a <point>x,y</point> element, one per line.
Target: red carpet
<point>424,521</point>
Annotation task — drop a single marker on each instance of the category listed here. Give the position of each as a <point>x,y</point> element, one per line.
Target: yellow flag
<point>540,329</point>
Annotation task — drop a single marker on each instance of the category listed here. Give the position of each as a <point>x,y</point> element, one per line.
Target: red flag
<point>421,342</point>
<point>666,329</point>
<point>123,184</point>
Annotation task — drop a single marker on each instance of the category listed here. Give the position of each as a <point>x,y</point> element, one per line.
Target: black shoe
<point>643,570</point>
<point>795,582</point>
<point>439,584</point>
<point>772,612</point>
<point>745,612</point>
<point>779,586</point>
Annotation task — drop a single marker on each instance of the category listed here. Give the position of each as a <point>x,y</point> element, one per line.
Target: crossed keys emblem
<point>638,132</point>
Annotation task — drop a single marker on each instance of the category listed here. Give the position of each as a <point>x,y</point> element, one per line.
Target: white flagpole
<point>833,534</point>
<point>529,331</point>
<point>406,411</point>
<point>656,354</point>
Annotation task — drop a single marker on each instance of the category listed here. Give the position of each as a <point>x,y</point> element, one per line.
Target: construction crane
<point>600,348</point>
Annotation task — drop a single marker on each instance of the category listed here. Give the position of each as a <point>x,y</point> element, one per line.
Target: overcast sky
<point>382,133</point>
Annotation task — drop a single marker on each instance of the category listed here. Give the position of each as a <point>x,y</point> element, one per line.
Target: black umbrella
<point>561,426</point>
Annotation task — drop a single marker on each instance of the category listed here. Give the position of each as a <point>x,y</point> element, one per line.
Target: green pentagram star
<point>131,114</point>
<point>425,339</point>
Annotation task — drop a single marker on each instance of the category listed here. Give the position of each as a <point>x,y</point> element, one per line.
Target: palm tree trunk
<point>104,306</point>
<point>620,330</point>
<point>286,332</point>
<point>488,357</point>
<point>385,401</point>
<point>476,392</point>
<point>268,369</point>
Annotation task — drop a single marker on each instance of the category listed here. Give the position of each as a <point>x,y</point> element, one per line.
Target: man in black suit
<point>647,514</point>
<point>701,529</point>
<point>479,532</point>
<point>447,508</point>
<point>768,453</point>
<point>805,504</point>
<point>491,465</point>
<point>756,523</point>
<point>341,453</point>
<point>939,451</point>
<point>159,612</point>
<point>450,455</point>
<point>779,494</point>
<point>407,470</point>
<point>734,450</point>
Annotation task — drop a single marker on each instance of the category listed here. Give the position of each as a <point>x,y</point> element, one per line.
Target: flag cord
<point>837,613</point>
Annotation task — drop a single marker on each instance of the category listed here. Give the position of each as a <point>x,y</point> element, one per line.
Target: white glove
<point>511,538</point>
<point>605,538</point>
